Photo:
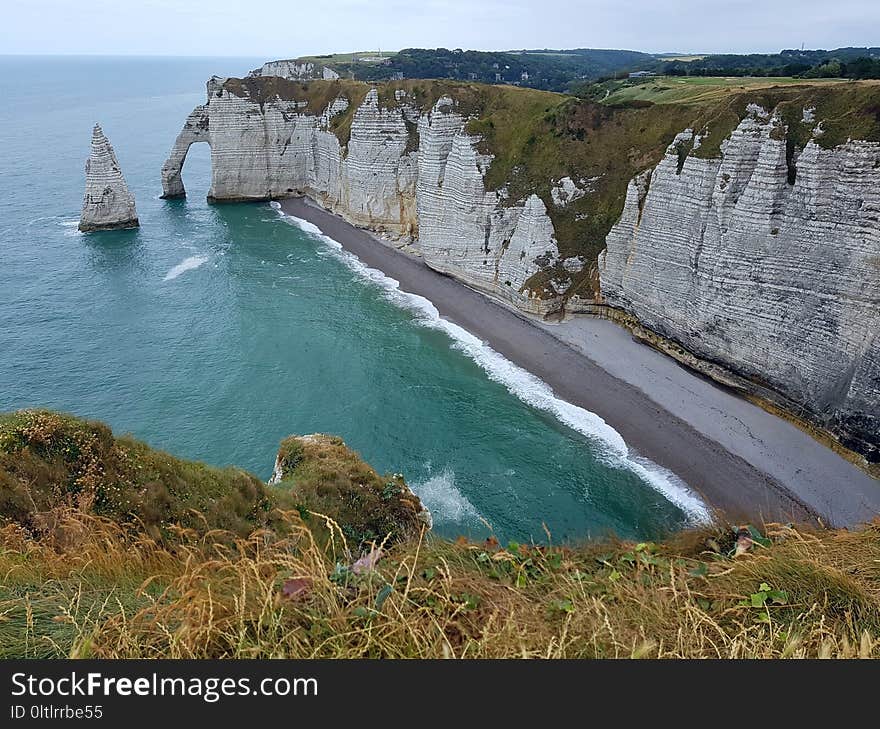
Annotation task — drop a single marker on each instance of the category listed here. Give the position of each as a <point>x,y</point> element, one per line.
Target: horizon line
<point>31,54</point>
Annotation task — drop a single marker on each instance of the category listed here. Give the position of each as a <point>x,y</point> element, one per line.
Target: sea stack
<point>107,204</point>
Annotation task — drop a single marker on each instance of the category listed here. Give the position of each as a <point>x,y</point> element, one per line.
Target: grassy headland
<point>110,549</point>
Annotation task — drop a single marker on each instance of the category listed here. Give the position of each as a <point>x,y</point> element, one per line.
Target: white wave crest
<point>188,264</point>
<point>609,445</point>
<point>445,502</point>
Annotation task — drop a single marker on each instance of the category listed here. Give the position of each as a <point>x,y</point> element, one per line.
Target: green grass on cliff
<point>694,89</point>
<point>50,461</point>
<point>324,477</point>
<point>84,575</point>
<point>330,59</point>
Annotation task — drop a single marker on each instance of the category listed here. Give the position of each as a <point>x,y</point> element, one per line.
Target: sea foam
<point>609,445</point>
<point>444,500</point>
<point>185,265</point>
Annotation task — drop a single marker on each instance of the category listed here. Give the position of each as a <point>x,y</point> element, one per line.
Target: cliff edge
<point>109,549</point>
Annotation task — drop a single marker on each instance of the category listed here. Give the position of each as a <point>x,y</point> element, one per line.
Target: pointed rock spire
<point>107,203</point>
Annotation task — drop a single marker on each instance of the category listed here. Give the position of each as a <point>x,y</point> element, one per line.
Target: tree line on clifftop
<point>560,70</point>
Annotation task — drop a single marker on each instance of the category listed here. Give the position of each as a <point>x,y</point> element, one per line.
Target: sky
<point>290,28</point>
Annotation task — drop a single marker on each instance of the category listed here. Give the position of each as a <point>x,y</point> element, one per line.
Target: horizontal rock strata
<point>295,70</point>
<point>413,174</point>
<point>766,264</point>
<point>762,262</point>
<point>107,203</point>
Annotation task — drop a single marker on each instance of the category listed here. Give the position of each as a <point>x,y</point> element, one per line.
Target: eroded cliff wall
<point>766,260</point>
<point>413,173</point>
<point>753,243</point>
<point>295,70</point>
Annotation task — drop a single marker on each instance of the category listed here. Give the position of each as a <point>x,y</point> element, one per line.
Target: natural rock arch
<point>195,129</point>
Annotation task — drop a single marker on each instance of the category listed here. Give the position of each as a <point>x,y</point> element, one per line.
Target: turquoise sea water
<point>214,331</point>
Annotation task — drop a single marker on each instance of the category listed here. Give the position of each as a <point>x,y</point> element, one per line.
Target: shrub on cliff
<point>334,489</point>
<point>50,461</point>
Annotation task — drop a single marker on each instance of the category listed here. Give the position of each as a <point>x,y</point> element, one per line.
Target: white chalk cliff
<point>769,269</point>
<point>107,203</point>
<point>413,174</point>
<point>295,70</point>
<point>762,262</point>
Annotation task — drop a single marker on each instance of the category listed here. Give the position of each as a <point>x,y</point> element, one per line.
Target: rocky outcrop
<point>565,191</point>
<point>766,262</point>
<point>107,203</point>
<point>469,232</point>
<point>414,174</point>
<point>320,470</point>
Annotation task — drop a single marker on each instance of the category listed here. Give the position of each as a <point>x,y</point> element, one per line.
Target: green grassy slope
<point>696,89</point>
<point>88,575</point>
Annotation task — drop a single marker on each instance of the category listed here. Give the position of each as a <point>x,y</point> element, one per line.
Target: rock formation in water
<point>755,256</point>
<point>195,129</point>
<point>107,203</point>
<point>413,173</point>
<point>765,264</point>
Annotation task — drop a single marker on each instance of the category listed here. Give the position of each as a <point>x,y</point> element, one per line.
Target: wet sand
<point>712,461</point>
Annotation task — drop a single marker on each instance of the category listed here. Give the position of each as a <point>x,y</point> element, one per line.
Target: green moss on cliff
<point>326,479</point>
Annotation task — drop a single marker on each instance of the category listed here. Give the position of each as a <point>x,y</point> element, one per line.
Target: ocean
<point>214,331</point>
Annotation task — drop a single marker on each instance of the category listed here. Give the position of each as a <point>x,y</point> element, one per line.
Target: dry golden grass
<point>91,588</point>
<point>111,549</point>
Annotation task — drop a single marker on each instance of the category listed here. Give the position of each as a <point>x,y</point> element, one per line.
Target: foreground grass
<point>112,595</point>
<point>80,584</point>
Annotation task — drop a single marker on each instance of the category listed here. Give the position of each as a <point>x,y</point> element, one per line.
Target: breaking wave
<point>444,500</point>
<point>185,265</point>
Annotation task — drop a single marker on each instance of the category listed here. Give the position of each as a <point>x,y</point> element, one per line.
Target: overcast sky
<point>287,28</point>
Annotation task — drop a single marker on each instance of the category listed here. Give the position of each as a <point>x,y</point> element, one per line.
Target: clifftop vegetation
<point>110,549</point>
<point>566,69</point>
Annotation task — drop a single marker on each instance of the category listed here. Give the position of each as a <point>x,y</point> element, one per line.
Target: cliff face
<point>107,203</point>
<point>408,170</point>
<point>294,69</point>
<point>753,242</point>
<point>765,260</point>
<point>468,231</point>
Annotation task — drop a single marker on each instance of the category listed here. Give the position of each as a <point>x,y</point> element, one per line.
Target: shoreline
<point>656,428</point>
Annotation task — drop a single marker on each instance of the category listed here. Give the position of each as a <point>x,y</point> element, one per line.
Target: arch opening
<point>195,129</point>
